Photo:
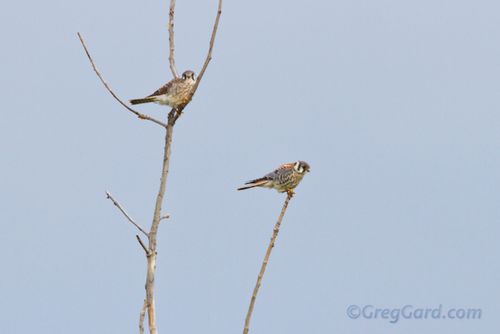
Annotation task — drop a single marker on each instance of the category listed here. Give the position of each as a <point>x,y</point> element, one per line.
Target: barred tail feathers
<point>144,100</point>
<point>253,183</point>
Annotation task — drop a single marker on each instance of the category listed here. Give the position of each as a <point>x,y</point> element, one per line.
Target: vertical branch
<point>150,293</point>
<point>171,58</point>
<point>172,118</point>
<point>163,180</point>
<point>264,263</point>
<point>151,257</point>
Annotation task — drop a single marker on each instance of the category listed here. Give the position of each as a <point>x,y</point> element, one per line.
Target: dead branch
<point>171,58</point>
<point>173,115</point>
<point>151,268</point>
<point>209,53</point>
<point>211,46</point>
<point>115,202</point>
<point>264,263</point>
<point>138,114</point>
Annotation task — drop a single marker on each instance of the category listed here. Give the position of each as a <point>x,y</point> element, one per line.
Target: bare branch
<point>150,291</point>
<point>154,225</point>
<point>142,316</point>
<point>142,244</point>
<point>171,58</point>
<point>211,46</point>
<point>207,60</point>
<point>138,114</point>
<point>174,114</point>
<point>264,263</point>
<point>108,195</point>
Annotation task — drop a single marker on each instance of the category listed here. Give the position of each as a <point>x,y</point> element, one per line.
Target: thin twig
<point>171,58</point>
<point>142,244</point>
<point>264,264</point>
<point>211,46</point>
<point>115,202</point>
<point>209,53</point>
<point>141,317</point>
<point>167,216</point>
<point>138,114</point>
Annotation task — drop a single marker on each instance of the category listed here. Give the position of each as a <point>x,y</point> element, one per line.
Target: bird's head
<point>301,167</point>
<point>188,75</point>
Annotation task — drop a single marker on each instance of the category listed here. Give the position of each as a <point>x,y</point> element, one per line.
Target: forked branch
<point>157,217</point>
<point>151,249</point>
<point>264,264</point>
<point>208,58</point>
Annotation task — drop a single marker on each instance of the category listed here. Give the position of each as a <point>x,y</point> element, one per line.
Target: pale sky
<point>394,104</point>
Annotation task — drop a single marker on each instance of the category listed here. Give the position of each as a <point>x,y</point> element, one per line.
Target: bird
<point>284,178</point>
<point>174,93</point>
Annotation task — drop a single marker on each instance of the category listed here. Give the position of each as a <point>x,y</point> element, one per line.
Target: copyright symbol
<point>353,311</point>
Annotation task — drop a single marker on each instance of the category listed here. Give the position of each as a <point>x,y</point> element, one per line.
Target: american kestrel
<point>174,93</point>
<point>285,178</point>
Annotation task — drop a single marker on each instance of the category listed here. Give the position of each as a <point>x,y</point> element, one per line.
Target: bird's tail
<point>144,100</point>
<point>253,183</point>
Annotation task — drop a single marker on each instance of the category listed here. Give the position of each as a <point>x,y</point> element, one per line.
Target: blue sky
<point>394,104</point>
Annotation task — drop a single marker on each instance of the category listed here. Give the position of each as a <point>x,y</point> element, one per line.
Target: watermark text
<point>395,314</point>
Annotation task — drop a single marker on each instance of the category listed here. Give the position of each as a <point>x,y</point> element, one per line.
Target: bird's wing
<point>280,171</point>
<point>163,89</point>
